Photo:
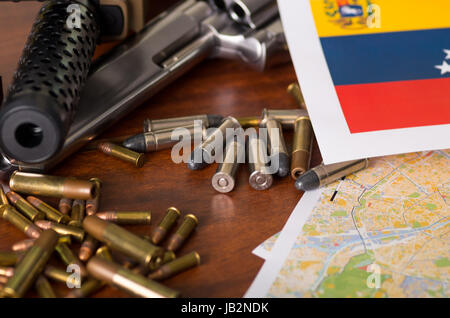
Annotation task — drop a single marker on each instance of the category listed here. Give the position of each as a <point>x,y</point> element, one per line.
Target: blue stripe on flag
<point>386,57</point>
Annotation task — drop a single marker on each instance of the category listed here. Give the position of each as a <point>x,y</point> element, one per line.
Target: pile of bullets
<point>157,135</point>
<point>258,152</point>
<point>109,253</point>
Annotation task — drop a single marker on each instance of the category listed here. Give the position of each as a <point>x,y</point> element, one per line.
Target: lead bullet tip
<point>307,181</point>
<point>196,161</point>
<point>136,143</point>
<point>284,165</point>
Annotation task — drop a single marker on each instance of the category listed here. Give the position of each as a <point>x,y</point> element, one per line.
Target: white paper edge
<point>333,136</point>
<point>261,252</point>
<point>275,259</point>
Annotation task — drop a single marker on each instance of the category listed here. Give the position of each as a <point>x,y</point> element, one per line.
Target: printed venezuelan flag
<point>389,60</point>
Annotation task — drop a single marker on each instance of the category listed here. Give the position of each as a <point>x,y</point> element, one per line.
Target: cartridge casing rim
<point>223,189</point>
<point>300,162</point>
<point>140,160</point>
<point>172,208</point>
<point>192,216</point>
<point>197,257</point>
<point>11,179</point>
<point>264,186</point>
<point>97,182</point>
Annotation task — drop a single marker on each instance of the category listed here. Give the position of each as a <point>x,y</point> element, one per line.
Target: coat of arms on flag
<point>348,14</point>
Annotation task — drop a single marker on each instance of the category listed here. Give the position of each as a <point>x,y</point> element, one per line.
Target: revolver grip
<point>52,71</point>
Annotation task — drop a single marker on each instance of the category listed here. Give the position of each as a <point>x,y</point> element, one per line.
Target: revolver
<point>44,96</point>
<point>165,48</point>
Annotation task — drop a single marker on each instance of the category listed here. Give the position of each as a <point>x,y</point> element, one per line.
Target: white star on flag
<point>445,68</point>
<point>448,54</point>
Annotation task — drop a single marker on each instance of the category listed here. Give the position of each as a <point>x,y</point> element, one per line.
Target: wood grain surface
<point>231,225</point>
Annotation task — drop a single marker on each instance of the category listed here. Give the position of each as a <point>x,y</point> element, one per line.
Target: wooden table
<point>231,225</point>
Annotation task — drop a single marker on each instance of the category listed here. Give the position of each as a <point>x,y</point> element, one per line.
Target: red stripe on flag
<point>393,105</point>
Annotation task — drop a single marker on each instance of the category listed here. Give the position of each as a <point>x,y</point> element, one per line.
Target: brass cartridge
<point>24,245</point>
<point>176,266</point>
<point>75,232</point>
<point>93,204</point>
<point>77,213</point>
<point>122,153</point>
<point>169,220</point>
<point>104,252</point>
<point>301,150</point>
<point>168,257</point>
<point>88,248</point>
<point>3,197</point>
<point>25,207</point>
<point>10,214</point>
<point>51,213</point>
<point>69,258</point>
<point>89,287</point>
<point>126,217</point>
<point>51,186</point>
<point>8,258</point>
<point>186,228</point>
<point>295,91</point>
<point>127,281</point>
<point>121,240</point>
<point>60,275</point>
<point>31,265</point>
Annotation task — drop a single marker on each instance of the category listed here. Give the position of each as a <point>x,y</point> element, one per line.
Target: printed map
<point>382,232</point>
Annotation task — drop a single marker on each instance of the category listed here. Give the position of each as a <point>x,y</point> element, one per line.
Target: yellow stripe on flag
<point>394,16</point>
